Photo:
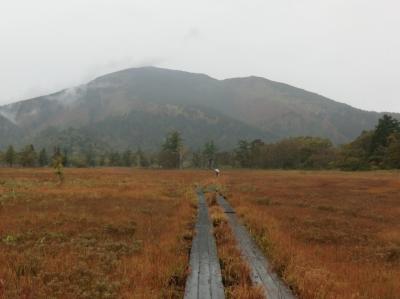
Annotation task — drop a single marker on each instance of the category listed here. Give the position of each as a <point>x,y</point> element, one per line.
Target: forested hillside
<point>136,108</point>
<point>375,149</point>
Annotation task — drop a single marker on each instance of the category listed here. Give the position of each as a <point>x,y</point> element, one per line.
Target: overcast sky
<point>348,50</point>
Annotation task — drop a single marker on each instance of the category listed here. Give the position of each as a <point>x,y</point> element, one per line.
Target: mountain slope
<point>290,111</point>
<point>9,132</point>
<point>136,107</point>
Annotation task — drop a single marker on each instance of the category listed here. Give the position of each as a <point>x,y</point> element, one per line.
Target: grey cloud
<point>346,50</point>
<point>192,34</point>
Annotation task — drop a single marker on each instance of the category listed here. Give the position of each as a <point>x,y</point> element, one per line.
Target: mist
<point>344,50</point>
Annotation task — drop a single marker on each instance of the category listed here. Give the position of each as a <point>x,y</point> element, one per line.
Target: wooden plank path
<point>204,281</point>
<point>261,273</point>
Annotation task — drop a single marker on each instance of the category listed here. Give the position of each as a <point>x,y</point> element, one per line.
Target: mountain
<point>137,107</point>
<point>9,131</point>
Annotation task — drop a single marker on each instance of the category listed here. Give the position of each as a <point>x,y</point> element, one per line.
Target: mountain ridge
<point>245,108</point>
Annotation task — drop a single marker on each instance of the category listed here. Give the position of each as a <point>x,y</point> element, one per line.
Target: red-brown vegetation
<point>328,234</point>
<point>123,233</point>
<point>105,233</point>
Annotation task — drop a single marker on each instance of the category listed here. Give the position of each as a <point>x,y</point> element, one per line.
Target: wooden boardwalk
<point>204,281</point>
<point>261,272</point>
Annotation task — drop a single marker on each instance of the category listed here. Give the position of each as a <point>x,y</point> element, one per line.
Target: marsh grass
<point>105,233</point>
<point>328,234</point>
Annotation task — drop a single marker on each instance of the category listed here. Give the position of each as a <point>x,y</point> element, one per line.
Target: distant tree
<point>197,159</point>
<point>57,154</point>
<point>28,156</point>
<point>355,155</point>
<point>323,159</point>
<point>115,159</point>
<point>43,158</point>
<point>140,159</point>
<point>243,154</point>
<point>173,142</point>
<point>90,158</point>
<point>286,154</point>
<point>171,152</point>
<point>65,158</point>
<point>209,152</point>
<point>387,126</point>
<point>392,154</point>
<point>184,154</point>
<point>373,149</point>
<point>10,156</point>
<point>225,158</point>
<point>102,160</point>
<point>256,153</point>
<point>58,167</point>
<point>127,158</point>
<point>79,160</point>
<point>168,159</point>
<point>315,152</point>
<point>151,159</point>
<point>289,153</point>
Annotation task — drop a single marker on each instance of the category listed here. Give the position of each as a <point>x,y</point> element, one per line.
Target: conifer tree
<point>43,158</point>
<point>10,156</point>
<point>28,156</point>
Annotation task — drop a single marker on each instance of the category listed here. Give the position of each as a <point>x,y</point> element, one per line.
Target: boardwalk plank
<point>261,272</point>
<point>204,281</point>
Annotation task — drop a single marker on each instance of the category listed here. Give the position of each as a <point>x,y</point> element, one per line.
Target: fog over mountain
<point>344,49</point>
<point>136,107</point>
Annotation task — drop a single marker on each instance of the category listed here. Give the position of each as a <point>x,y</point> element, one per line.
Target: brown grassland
<point>328,234</point>
<point>104,233</point>
<point>124,233</point>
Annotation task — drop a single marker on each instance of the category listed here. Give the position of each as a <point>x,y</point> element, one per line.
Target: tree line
<point>29,157</point>
<point>375,149</point>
